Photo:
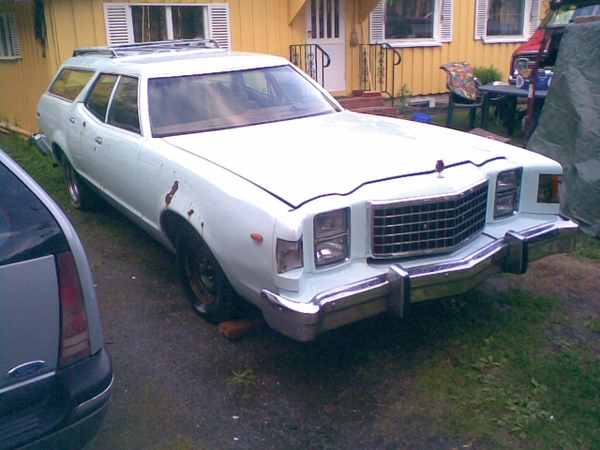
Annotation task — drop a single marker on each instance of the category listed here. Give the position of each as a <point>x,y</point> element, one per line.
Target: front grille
<point>432,225</point>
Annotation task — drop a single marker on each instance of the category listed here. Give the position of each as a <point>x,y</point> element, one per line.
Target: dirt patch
<point>574,282</point>
<point>561,276</point>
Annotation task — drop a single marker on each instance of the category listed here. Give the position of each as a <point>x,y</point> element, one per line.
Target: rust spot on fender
<point>171,194</point>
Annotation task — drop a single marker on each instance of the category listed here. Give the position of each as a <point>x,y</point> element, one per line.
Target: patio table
<point>512,93</point>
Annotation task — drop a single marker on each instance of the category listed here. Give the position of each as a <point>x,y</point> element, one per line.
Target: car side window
<point>97,101</point>
<point>70,82</point>
<point>123,111</point>
<point>27,229</point>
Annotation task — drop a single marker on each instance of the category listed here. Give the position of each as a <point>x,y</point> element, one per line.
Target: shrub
<point>487,74</point>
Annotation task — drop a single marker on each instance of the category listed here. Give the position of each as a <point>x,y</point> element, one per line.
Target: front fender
<point>235,219</point>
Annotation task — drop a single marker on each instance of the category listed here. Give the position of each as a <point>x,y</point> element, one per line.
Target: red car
<point>560,15</point>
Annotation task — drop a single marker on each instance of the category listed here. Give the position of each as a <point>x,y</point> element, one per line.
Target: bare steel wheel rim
<point>201,274</point>
<point>73,183</point>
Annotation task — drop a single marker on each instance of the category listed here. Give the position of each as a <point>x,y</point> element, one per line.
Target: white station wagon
<point>269,191</point>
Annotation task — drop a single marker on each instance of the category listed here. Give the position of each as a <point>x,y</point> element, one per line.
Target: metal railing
<point>312,59</point>
<point>377,68</point>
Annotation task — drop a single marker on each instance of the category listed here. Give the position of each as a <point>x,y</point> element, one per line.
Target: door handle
<point>98,140</point>
<point>72,119</point>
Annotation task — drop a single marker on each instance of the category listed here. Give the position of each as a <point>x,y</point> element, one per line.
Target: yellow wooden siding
<point>22,81</point>
<point>256,26</point>
<point>261,26</point>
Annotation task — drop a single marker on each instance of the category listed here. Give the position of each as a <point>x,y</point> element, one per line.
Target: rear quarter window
<point>70,82</point>
<point>27,229</point>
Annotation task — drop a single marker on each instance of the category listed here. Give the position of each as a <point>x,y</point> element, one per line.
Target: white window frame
<point>119,21</point>
<point>442,31</point>
<point>10,37</point>
<point>531,21</point>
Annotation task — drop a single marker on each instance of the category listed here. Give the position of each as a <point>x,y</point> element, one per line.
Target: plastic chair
<point>462,84</point>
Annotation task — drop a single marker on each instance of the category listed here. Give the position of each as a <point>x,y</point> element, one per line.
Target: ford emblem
<point>25,370</point>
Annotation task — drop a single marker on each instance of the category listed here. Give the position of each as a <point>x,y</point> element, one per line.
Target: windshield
<point>192,104</point>
<point>568,13</point>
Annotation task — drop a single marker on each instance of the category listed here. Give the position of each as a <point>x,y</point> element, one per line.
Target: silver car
<point>55,373</point>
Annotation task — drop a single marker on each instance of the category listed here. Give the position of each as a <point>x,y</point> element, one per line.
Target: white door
<point>326,27</point>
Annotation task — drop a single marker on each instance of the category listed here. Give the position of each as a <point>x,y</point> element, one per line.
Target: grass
<point>514,372</point>
<point>587,247</point>
<point>503,380</point>
<point>460,121</point>
<point>42,168</point>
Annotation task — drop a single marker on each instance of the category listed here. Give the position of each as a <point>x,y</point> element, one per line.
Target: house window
<point>505,17</point>
<point>9,37</point>
<point>405,19</point>
<point>158,23</point>
<point>128,23</point>
<point>412,23</point>
<point>506,20</point>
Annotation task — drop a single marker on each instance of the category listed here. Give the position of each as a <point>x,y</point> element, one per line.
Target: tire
<point>80,195</point>
<point>210,293</point>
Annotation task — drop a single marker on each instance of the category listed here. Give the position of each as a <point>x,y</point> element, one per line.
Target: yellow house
<point>345,44</point>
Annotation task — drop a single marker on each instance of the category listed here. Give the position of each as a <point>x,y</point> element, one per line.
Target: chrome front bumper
<point>395,290</point>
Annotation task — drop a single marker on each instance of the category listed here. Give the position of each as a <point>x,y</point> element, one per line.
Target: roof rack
<point>119,50</point>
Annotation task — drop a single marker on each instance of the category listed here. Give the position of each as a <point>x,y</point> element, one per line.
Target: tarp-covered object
<point>569,126</point>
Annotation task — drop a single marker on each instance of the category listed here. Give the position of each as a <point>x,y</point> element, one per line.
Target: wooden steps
<point>369,103</point>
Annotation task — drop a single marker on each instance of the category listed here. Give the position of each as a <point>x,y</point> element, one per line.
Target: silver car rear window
<point>27,229</point>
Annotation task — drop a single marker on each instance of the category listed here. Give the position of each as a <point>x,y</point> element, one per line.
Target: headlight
<point>331,232</point>
<point>548,189</point>
<point>508,190</point>
<point>521,64</point>
<point>289,255</point>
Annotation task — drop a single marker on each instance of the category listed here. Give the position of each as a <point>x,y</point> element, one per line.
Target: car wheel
<point>208,289</point>
<point>80,195</point>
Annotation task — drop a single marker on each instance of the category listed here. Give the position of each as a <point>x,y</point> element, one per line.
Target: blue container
<point>544,80</point>
<point>421,117</point>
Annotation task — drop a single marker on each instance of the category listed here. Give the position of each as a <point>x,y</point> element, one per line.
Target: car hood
<point>303,159</point>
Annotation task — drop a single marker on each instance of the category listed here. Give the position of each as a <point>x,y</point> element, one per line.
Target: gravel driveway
<point>180,385</point>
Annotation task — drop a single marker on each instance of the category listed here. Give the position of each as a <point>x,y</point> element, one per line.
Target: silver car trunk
<point>29,322</point>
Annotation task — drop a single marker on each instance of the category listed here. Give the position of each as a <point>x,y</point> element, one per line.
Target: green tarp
<point>569,126</point>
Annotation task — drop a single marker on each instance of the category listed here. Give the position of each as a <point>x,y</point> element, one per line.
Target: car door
<point>112,133</point>
<point>86,120</point>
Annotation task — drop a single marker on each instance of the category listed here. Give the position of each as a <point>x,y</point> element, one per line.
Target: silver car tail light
<point>74,332</point>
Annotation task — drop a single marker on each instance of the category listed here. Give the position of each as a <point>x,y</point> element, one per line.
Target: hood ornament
<point>439,166</point>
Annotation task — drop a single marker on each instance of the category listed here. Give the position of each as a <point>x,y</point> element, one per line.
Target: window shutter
<point>119,28</point>
<point>446,21</point>
<point>218,24</point>
<point>14,35</point>
<point>534,17</point>
<point>481,19</point>
<point>377,19</point>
